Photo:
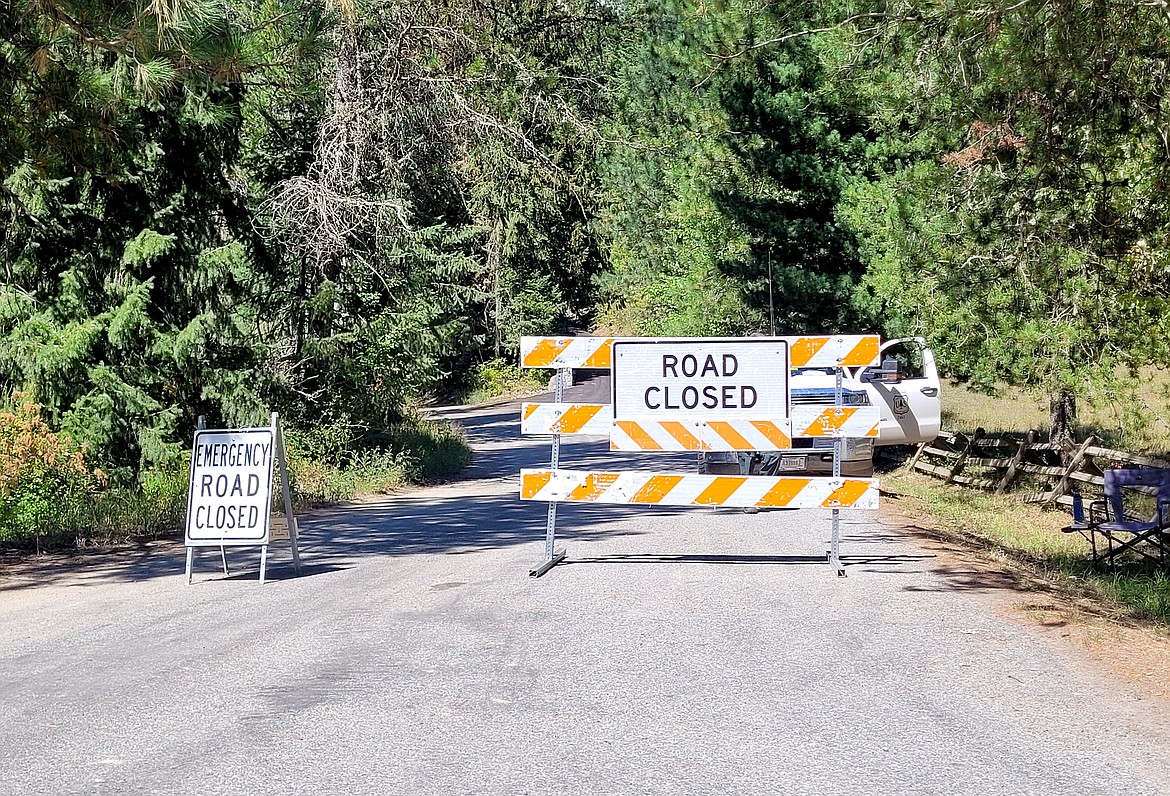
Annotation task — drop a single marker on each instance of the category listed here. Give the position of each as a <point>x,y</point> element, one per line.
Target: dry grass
<point>1134,415</point>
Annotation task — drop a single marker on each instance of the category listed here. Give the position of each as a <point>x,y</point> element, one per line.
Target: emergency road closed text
<point>231,486</point>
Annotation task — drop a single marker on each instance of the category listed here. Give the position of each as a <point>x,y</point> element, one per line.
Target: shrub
<point>44,481</point>
<point>48,495</point>
<point>499,378</point>
<point>337,462</point>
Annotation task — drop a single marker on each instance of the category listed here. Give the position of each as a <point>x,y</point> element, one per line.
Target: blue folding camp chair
<point>1114,526</point>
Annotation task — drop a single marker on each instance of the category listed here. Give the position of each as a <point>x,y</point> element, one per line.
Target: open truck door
<point>906,386</point>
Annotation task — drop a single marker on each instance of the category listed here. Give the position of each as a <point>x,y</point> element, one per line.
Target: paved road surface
<point>677,653</point>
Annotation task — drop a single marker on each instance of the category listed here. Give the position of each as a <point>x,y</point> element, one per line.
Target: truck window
<point>909,355</point>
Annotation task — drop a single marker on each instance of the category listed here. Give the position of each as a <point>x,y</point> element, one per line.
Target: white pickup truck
<point>905,386</point>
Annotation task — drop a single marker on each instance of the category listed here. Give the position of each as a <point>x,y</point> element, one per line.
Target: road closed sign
<point>700,379</point>
<point>231,487</point>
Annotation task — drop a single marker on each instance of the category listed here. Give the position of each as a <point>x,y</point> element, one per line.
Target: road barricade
<point>698,394</point>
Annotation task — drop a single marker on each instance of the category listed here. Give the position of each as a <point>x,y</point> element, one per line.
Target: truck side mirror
<point>890,372</point>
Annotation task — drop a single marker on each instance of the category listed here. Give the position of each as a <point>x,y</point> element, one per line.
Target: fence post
<point>963,456</point>
<point>1017,460</point>
<point>918,453</point>
<point>1062,485</point>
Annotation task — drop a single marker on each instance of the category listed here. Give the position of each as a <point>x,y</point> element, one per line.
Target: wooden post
<point>963,456</point>
<point>918,452</point>
<point>1017,460</point>
<point>1062,486</point>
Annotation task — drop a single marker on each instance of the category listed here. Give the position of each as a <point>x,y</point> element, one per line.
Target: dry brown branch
<point>403,114</point>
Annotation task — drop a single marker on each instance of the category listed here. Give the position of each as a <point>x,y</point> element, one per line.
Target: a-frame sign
<point>229,499</point>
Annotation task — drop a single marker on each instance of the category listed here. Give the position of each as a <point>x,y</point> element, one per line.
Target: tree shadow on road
<point>479,510</point>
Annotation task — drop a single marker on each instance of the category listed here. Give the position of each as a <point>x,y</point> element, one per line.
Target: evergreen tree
<point>133,277</point>
<point>798,149</point>
<point>1031,244</point>
<point>732,153</point>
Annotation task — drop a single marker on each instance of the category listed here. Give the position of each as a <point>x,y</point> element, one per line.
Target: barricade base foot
<point>545,566</point>
<point>836,564</point>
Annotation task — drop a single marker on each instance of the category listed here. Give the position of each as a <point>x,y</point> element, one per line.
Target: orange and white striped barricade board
<point>690,489</point>
<point>230,492</point>
<point>697,394</point>
<point>700,435</point>
<point>660,435</point>
<point>835,421</point>
<point>804,421</point>
<point>562,418</point>
<point>828,351</point>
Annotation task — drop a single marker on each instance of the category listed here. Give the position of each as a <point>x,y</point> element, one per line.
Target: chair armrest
<point>1098,512</point>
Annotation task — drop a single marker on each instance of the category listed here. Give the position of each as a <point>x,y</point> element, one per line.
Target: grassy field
<point>1029,538</point>
<point>1133,416</point>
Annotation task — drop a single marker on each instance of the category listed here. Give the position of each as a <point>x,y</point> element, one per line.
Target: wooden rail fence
<point>1000,462</point>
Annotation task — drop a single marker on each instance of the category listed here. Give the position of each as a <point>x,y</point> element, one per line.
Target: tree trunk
<point>1063,415</point>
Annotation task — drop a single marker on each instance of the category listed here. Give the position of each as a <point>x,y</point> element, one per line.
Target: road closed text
<point>700,379</point>
<point>674,394</point>
<point>229,516</point>
<point>226,518</point>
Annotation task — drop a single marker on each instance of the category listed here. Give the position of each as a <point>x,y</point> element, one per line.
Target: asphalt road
<point>677,652</point>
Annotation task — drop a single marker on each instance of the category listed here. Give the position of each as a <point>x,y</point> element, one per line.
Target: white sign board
<point>230,494</point>
<point>700,379</point>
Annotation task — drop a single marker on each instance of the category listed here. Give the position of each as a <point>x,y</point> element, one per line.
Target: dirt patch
<point>129,561</point>
<point>1109,641</point>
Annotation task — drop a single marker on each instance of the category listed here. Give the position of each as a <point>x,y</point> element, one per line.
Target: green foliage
<point>1026,233</point>
<point>135,278</point>
<point>431,449</point>
<point>208,215</point>
<point>734,149</point>
<point>798,147</point>
<point>44,480</point>
<point>50,498</point>
<point>664,236</point>
<point>338,462</point>
<point>339,211</point>
<point>501,378</point>
<point>1148,596</point>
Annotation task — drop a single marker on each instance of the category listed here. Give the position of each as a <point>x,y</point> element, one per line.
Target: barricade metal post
<point>838,443</point>
<point>290,519</point>
<point>552,556</point>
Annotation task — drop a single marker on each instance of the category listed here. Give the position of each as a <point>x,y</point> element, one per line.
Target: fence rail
<point>1000,462</point>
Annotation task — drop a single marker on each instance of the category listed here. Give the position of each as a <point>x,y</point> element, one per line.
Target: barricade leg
<point>835,544</point>
<point>552,556</point>
<point>838,445</point>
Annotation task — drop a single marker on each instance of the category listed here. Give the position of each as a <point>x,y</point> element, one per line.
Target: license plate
<point>792,462</point>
